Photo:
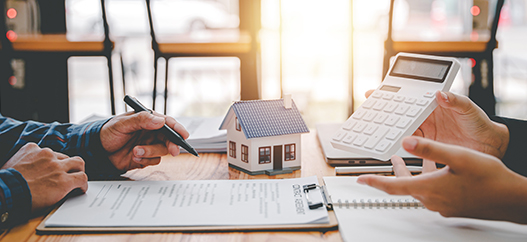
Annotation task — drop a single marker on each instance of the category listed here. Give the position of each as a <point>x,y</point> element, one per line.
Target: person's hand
<point>472,184</point>
<point>49,175</point>
<point>457,120</point>
<point>132,142</point>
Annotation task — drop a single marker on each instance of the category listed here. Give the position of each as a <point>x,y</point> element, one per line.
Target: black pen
<point>171,135</point>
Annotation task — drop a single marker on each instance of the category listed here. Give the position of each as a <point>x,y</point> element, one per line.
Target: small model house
<point>263,136</point>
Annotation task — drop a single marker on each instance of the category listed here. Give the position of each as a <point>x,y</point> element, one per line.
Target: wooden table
<point>210,166</point>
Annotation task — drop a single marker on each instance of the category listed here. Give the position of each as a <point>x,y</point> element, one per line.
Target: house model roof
<point>263,118</point>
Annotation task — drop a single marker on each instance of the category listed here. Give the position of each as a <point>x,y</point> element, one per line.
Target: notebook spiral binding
<point>384,203</point>
<point>361,203</point>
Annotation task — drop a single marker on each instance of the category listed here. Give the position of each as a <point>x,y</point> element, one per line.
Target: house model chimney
<point>287,101</point>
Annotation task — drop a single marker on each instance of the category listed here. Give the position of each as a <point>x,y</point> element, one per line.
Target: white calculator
<point>398,106</point>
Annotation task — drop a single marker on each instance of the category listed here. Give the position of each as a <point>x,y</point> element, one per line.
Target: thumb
<point>459,104</point>
<point>140,121</point>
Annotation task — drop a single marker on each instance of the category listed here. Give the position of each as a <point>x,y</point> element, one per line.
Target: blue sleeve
<point>15,198</point>
<point>516,155</point>
<point>74,140</point>
<point>71,139</point>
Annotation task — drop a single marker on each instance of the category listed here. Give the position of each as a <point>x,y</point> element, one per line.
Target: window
<point>290,152</point>
<point>264,155</point>
<point>232,149</point>
<point>237,123</point>
<point>245,154</point>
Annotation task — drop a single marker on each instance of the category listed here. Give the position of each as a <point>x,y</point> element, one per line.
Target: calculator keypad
<point>381,121</point>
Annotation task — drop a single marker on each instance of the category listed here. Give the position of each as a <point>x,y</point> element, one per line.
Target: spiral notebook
<point>367,214</point>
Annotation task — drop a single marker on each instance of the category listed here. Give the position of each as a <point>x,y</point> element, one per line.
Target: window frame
<point>287,154</point>
<point>245,153</point>
<point>237,124</point>
<point>260,156</point>
<point>232,149</point>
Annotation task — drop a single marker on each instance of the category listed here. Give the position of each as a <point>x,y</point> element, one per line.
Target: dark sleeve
<point>516,155</point>
<point>71,139</point>
<point>15,198</point>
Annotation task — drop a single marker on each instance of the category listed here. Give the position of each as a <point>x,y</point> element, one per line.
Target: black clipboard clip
<point>325,200</point>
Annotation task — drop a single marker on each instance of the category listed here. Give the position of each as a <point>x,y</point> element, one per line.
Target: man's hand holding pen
<point>131,142</point>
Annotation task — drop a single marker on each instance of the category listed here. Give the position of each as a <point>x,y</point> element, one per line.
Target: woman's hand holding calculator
<point>458,121</point>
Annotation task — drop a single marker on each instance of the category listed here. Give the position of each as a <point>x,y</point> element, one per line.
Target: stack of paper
<point>205,135</point>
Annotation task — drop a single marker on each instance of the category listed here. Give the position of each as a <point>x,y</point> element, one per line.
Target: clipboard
<point>329,224</point>
<point>332,225</point>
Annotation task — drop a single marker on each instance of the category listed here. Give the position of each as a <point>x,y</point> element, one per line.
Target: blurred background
<point>325,53</point>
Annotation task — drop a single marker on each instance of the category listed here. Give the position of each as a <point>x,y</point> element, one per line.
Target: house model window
<point>265,155</point>
<point>245,154</point>
<point>232,149</point>
<point>290,152</point>
<point>238,126</point>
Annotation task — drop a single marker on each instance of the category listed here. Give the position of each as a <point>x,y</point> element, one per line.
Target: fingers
<point>154,121</point>
<point>73,164</point>
<point>394,186</point>
<point>368,93</point>
<point>173,149</point>
<point>141,121</point>
<point>142,162</point>
<point>428,166</point>
<point>78,180</point>
<point>172,123</point>
<point>150,151</point>
<point>399,167</point>
<point>454,156</point>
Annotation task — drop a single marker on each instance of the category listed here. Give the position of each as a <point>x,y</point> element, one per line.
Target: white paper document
<point>205,135</point>
<point>189,203</point>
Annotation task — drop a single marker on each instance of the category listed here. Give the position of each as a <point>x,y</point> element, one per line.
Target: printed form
<point>189,203</point>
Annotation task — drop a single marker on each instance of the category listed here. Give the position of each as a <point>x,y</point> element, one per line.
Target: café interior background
<point>316,54</point>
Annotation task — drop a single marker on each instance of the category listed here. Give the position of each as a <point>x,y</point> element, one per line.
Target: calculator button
<point>401,109</point>
<point>349,138</point>
<point>358,114</point>
<point>359,127</point>
<point>429,94</point>
<point>410,100</point>
<point>399,98</point>
<point>370,129</point>
<point>368,103</point>
<point>413,111</point>
<point>392,120</point>
<point>421,102</point>
<point>379,105</point>
<point>376,95</point>
<point>382,146</point>
<point>380,118</point>
<point>393,134</point>
<point>349,124</point>
<point>403,123</point>
<point>339,136</point>
<point>390,107</point>
<point>387,96</point>
<point>375,138</point>
<point>359,141</point>
<point>369,116</point>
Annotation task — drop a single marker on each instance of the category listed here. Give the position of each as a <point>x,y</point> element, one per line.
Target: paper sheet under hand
<point>189,203</point>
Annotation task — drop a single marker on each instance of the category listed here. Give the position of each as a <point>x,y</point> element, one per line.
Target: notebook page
<point>410,224</point>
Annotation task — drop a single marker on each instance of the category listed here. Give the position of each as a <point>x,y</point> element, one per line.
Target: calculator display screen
<point>421,69</point>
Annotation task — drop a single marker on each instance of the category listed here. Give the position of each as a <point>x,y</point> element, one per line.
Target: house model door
<point>277,157</point>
